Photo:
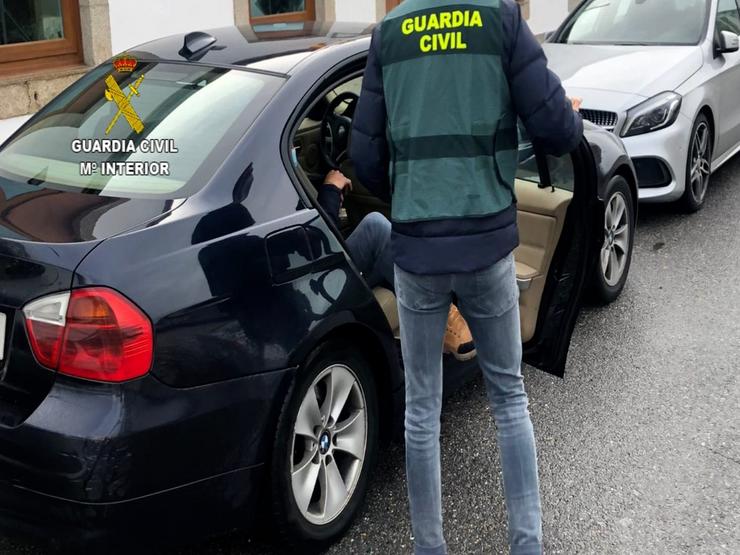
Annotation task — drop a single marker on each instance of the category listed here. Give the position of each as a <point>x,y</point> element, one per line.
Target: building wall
<point>130,26</point>
<point>356,10</point>
<point>112,26</point>
<point>169,17</point>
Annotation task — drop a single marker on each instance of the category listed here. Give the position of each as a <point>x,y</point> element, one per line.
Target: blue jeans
<point>488,300</point>
<point>369,246</point>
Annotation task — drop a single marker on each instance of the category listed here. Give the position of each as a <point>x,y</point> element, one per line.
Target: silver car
<point>665,76</point>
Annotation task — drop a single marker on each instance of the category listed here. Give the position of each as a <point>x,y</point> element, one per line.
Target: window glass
<point>637,22</point>
<point>261,8</point>
<point>728,17</point>
<point>562,174</point>
<point>172,120</point>
<point>30,21</point>
<point>263,30</point>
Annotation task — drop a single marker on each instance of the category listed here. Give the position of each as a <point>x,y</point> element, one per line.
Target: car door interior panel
<point>387,301</point>
<point>541,217</point>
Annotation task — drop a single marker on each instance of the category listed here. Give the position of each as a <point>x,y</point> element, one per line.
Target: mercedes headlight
<point>655,113</point>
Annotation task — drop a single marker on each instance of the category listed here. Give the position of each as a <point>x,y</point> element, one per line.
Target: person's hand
<point>576,102</point>
<point>338,180</point>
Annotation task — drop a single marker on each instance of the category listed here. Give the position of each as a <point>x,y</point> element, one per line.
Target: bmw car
<point>185,343</point>
<point>663,75</point>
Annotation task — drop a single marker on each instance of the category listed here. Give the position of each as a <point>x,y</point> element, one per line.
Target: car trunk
<point>44,235</point>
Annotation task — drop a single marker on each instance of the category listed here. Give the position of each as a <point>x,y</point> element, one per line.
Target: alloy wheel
<point>615,251</point>
<point>329,444</point>
<point>700,162</point>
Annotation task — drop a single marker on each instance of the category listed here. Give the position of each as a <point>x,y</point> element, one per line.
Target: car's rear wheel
<point>325,446</point>
<point>615,256</point>
<point>698,165</point>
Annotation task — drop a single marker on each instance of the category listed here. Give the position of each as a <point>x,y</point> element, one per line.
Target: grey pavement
<point>639,446</point>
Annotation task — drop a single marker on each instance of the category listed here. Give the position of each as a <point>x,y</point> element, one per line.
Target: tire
<point>698,165</point>
<point>333,446</point>
<point>615,256</point>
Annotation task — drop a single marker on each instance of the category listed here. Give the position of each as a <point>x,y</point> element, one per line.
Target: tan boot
<point>458,339</point>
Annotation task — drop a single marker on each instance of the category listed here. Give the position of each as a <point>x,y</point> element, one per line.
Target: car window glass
<point>636,22</point>
<point>562,173</point>
<point>353,85</point>
<point>728,17</point>
<point>307,136</point>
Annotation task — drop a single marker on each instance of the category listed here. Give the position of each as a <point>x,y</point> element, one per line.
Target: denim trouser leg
<point>370,247</point>
<point>423,307</point>
<point>489,304</point>
<point>488,301</point>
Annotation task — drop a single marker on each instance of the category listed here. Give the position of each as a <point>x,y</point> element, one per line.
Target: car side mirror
<point>727,42</point>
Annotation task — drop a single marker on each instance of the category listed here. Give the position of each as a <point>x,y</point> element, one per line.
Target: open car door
<point>557,216</point>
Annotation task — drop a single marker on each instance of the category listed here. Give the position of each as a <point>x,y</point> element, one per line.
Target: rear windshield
<point>158,131</point>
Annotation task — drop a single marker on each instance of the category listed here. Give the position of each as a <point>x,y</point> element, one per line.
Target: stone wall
<point>28,94</point>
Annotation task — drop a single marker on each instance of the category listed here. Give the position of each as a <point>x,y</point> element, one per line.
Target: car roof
<point>276,48</point>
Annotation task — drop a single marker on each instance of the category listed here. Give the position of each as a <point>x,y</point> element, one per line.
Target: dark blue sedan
<point>185,342</point>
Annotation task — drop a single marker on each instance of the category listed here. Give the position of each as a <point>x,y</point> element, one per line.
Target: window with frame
<point>728,16</point>
<point>281,11</point>
<point>39,34</point>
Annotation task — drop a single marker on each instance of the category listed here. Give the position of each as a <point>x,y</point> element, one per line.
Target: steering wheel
<point>337,128</point>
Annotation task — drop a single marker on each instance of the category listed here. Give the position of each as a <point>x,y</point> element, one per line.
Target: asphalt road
<point>639,446</point>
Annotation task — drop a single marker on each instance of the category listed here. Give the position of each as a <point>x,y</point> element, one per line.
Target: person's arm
<point>369,149</point>
<point>331,194</point>
<point>537,93</point>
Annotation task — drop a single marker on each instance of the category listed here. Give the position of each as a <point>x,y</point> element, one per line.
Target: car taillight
<point>45,319</point>
<point>93,333</point>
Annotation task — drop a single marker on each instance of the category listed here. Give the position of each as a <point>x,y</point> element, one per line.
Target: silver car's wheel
<point>329,444</point>
<point>698,164</point>
<point>701,163</point>
<point>616,249</point>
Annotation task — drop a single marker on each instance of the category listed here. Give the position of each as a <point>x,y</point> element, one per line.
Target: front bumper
<point>138,460</point>
<point>670,146</point>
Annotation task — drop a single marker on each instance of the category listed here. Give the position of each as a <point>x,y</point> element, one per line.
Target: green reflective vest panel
<point>451,125</point>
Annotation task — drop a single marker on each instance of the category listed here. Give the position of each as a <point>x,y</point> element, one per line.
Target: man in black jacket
<point>435,129</point>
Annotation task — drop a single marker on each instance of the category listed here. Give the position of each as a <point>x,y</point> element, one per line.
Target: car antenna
<point>196,45</point>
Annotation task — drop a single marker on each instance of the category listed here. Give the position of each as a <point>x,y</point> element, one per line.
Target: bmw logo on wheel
<point>324,443</point>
